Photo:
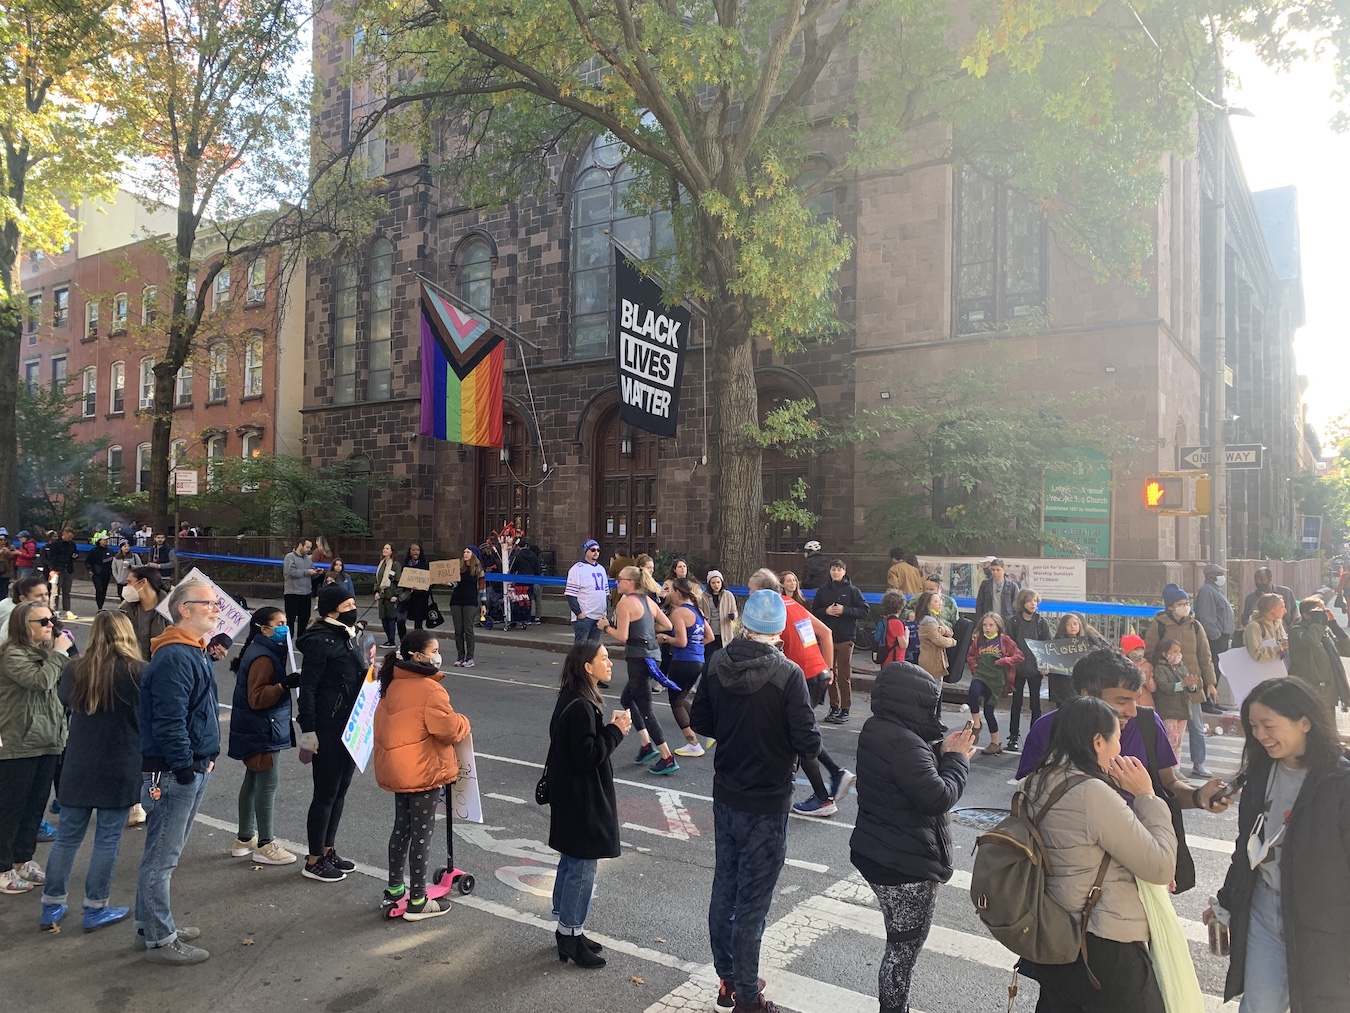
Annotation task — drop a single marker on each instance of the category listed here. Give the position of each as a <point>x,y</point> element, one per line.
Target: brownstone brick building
<point>950,269</point>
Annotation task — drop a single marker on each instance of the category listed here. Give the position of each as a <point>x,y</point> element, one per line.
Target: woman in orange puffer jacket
<point>416,730</point>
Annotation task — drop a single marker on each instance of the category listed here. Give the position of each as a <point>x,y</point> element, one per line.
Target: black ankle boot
<point>590,944</point>
<point>574,948</point>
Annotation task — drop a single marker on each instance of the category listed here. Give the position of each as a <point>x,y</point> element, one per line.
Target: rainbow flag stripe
<point>462,367</point>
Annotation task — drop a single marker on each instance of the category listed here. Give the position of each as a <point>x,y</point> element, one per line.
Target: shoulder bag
<point>541,789</point>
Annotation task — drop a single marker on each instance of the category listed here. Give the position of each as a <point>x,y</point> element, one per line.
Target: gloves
<point>184,775</point>
<point>292,681</point>
<point>309,741</point>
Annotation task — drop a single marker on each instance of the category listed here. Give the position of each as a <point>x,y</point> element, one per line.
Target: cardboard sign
<point>444,571</point>
<point>233,617</point>
<point>465,802</point>
<point>1244,673</point>
<point>1059,656</point>
<point>415,578</point>
<point>359,735</point>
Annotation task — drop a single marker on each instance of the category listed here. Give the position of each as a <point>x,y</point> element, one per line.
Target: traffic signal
<point>1163,493</point>
<point>1202,504</point>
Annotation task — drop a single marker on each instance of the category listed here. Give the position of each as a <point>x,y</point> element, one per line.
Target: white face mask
<point>129,593</point>
<point>1181,611</point>
<point>1220,581</point>
<point>435,660</point>
<point>1174,659</point>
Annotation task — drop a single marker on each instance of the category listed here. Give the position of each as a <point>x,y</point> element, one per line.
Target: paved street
<point>280,942</point>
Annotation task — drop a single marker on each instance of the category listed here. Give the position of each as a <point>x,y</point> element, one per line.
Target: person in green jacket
<point>32,735</point>
<point>1316,645</point>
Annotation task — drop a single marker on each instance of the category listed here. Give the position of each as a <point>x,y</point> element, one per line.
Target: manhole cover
<point>980,819</point>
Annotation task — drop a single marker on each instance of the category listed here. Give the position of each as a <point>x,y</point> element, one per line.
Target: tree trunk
<point>738,523</point>
<point>161,445</point>
<point>11,336</point>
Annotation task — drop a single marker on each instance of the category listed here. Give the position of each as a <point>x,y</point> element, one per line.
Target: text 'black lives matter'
<point>649,348</point>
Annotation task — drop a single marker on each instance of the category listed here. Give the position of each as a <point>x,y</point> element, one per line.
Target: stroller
<point>521,605</point>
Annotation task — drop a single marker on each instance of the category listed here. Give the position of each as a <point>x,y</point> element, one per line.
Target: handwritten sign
<point>444,571</point>
<point>415,578</point>
<point>359,735</point>
<point>1059,656</point>
<point>233,617</point>
<point>465,802</point>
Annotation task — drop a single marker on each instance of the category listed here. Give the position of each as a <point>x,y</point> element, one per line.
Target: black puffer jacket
<point>1314,889</point>
<point>330,675</point>
<point>905,787</point>
<point>844,627</point>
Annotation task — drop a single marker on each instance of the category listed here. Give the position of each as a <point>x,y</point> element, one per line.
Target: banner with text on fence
<point>462,365</point>
<point>649,345</point>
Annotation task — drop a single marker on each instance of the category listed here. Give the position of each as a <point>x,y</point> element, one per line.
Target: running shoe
<point>690,749</point>
<point>394,894</point>
<point>646,754</point>
<point>273,853</point>
<point>1012,746</point>
<point>815,806</point>
<point>468,663</point>
<point>243,848</point>
<point>425,907</point>
<point>1200,770</point>
<point>322,871</point>
<point>668,766</point>
<point>841,782</point>
<point>340,863</point>
<point>46,833</point>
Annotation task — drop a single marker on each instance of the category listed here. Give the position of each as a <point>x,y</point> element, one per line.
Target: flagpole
<point>493,321</point>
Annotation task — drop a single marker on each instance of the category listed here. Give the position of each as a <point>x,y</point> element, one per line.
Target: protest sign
<point>1059,656</point>
<point>1244,673</point>
<point>1055,579</point>
<point>414,578</point>
<point>233,617</point>
<point>465,802</point>
<point>359,735</point>
<point>444,571</point>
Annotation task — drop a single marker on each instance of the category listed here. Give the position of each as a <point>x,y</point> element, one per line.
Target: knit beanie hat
<point>717,574</point>
<point>1131,642</point>
<point>330,597</point>
<point>1173,594</point>
<point>764,612</point>
<point>476,554</point>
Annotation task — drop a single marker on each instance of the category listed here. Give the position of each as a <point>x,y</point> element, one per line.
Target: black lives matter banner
<point>648,351</point>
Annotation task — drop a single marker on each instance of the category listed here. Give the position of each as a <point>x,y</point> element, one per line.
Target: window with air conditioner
<point>91,319</point>
<point>257,283</point>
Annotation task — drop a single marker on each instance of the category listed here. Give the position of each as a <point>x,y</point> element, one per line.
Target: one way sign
<point>1240,457</point>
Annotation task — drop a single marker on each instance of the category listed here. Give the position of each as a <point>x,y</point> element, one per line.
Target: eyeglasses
<point>202,601</point>
<point>45,621</point>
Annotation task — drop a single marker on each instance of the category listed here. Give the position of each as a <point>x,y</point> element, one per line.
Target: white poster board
<point>359,735</point>
<point>465,801</point>
<point>1054,579</point>
<point>1244,673</point>
<point>233,617</point>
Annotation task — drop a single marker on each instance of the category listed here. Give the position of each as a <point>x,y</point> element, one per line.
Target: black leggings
<point>683,674</point>
<point>637,697</point>
<point>414,826</point>
<point>100,588</point>
<point>1033,683</point>
<point>25,783</point>
<point>811,768</point>
<point>978,691</point>
<point>390,627</point>
<point>332,768</point>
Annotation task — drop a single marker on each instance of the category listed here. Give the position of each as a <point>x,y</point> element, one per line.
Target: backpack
<point>885,646</point>
<point>1008,882</point>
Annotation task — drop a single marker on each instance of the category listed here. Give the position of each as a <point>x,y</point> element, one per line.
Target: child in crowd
<point>416,730</point>
<point>1132,646</point>
<point>993,659</point>
<point>1173,689</point>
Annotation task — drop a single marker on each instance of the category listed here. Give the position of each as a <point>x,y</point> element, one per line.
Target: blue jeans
<point>69,837</point>
<point>750,849</point>
<point>572,893</point>
<point>584,629</point>
<point>1195,731</point>
<point>168,823</point>
<point>1265,984</point>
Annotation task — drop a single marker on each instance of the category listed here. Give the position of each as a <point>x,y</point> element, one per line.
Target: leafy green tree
<point>963,456</point>
<point>57,481</point>
<point>284,496</point>
<point>721,103</point>
<point>68,110</point>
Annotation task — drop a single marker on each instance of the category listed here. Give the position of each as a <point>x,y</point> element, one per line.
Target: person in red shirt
<point>807,642</point>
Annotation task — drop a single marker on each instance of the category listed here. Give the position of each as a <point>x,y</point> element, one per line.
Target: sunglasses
<point>44,621</point>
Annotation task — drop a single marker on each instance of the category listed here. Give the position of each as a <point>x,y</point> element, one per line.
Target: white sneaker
<point>71,617</point>
<point>137,815</point>
<point>690,749</point>
<point>273,853</point>
<point>243,848</point>
<point>468,663</point>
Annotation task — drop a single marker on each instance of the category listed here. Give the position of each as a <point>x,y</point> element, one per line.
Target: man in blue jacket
<point>754,701</point>
<point>180,739</point>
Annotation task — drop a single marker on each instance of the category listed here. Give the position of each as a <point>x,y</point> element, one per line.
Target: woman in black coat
<point>584,822</point>
<point>1286,900</point>
<point>839,605</point>
<point>102,769</point>
<point>907,781</point>
<point>414,607</point>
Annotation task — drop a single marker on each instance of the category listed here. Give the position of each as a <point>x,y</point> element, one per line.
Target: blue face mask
<point>280,633</point>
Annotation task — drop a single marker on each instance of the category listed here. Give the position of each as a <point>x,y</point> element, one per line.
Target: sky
<point>1287,141</point>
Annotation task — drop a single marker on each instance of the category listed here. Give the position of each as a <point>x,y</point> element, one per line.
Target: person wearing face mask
<point>1286,898</point>
<point>1174,689</point>
<point>122,564</point>
<point>416,731</point>
<point>1317,643</point>
<point>260,728</point>
<point>331,674</point>
<point>1214,611</point>
<point>1175,622</point>
<point>140,600</point>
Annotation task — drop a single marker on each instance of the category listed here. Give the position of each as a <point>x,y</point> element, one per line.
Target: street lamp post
<point>1218,509</point>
